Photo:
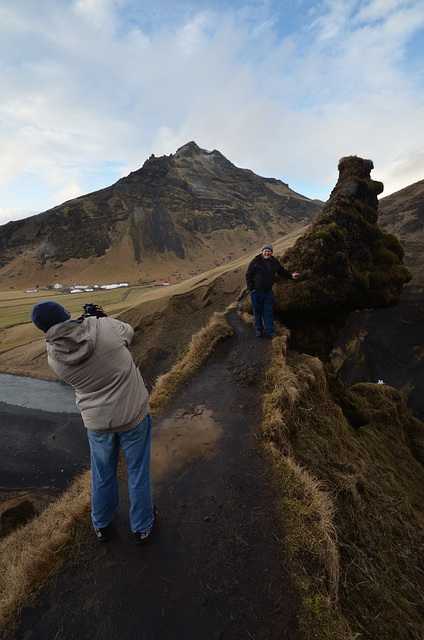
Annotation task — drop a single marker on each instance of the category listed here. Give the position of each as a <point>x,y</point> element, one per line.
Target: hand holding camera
<point>91,309</point>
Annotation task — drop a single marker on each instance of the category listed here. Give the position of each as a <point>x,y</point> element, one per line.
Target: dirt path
<point>215,568</point>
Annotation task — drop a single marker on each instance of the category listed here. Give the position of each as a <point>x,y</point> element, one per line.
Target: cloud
<point>402,172</point>
<point>93,87</point>
<point>9,214</point>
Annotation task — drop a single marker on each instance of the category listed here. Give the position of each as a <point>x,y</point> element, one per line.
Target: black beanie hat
<point>46,313</point>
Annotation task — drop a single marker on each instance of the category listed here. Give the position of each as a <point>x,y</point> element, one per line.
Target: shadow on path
<point>214,568</point>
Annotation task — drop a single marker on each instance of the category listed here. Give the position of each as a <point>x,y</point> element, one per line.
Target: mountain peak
<point>177,216</point>
<point>189,149</point>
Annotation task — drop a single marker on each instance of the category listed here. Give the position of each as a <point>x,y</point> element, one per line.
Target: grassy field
<point>16,305</point>
<point>15,325</point>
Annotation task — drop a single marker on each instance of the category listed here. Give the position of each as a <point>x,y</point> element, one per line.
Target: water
<point>42,438</point>
<point>42,395</point>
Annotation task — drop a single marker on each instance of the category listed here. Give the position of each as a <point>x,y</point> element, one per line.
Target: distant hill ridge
<point>177,216</point>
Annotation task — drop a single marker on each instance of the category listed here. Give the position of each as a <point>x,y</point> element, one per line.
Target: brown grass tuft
<point>28,556</point>
<point>202,345</point>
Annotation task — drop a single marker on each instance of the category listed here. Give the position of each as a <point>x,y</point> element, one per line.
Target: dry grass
<point>202,345</point>
<point>307,515</point>
<point>351,500</point>
<point>248,318</point>
<point>318,508</point>
<point>305,506</point>
<point>30,555</point>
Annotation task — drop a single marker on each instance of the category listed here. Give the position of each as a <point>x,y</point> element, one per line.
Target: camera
<point>91,309</point>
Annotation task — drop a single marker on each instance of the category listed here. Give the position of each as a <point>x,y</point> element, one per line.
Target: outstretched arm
<point>286,274</point>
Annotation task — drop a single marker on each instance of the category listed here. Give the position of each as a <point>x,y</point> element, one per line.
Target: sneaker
<point>142,537</point>
<point>258,334</point>
<point>271,335</point>
<point>103,533</point>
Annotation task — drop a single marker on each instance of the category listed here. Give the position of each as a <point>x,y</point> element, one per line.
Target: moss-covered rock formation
<point>388,344</point>
<point>346,261</point>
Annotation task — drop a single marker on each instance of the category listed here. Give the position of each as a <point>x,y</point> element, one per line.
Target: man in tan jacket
<point>91,354</point>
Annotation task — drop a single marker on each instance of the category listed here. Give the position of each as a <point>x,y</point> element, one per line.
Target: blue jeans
<point>263,305</point>
<point>104,450</point>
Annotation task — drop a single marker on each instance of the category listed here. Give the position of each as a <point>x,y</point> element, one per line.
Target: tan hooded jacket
<point>93,358</point>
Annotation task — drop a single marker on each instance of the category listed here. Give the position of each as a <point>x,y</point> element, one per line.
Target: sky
<point>89,89</point>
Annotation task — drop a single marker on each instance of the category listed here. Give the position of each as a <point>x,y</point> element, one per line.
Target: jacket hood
<point>72,342</point>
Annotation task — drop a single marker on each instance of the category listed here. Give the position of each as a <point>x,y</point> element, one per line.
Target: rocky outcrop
<point>154,231</point>
<point>346,261</point>
<point>387,344</point>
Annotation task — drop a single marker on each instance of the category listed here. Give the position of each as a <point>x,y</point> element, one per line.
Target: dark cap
<point>268,246</point>
<point>46,313</point>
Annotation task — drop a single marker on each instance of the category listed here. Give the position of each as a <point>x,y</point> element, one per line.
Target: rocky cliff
<point>387,345</point>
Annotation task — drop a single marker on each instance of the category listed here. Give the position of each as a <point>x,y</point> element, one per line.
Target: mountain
<point>177,216</point>
<point>388,345</point>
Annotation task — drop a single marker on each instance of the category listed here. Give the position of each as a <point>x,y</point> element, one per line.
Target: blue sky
<point>91,88</point>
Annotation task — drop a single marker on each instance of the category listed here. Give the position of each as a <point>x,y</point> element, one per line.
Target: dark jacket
<point>261,275</point>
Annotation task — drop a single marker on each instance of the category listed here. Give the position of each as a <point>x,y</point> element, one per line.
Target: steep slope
<point>177,216</point>
<point>388,346</point>
<point>352,496</point>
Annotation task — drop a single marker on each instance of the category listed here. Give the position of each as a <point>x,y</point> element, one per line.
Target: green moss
<point>383,256</point>
<point>392,244</point>
<point>361,279</point>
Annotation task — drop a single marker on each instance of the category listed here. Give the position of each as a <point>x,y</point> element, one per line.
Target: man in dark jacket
<point>260,277</point>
